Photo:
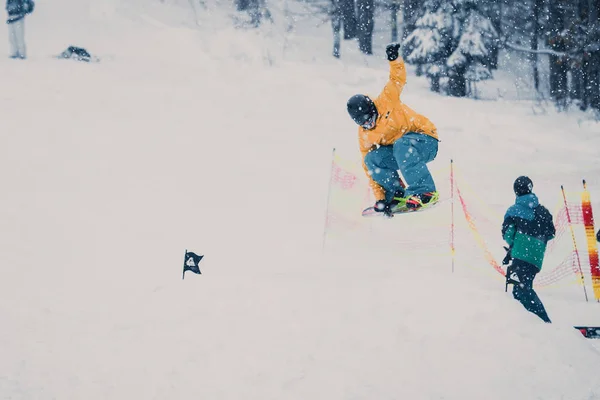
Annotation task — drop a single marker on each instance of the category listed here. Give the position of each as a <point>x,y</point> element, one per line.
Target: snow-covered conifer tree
<point>428,45</point>
<point>452,39</point>
<point>470,58</point>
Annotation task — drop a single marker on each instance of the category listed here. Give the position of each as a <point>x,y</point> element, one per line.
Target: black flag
<point>191,262</point>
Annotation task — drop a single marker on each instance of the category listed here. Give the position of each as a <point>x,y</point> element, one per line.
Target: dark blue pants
<point>524,292</point>
<point>409,154</point>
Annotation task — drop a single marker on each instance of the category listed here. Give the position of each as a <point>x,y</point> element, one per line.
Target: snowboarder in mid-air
<point>527,227</point>
<point>394,138</point>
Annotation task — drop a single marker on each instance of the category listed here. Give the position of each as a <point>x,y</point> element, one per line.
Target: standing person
<point>392,138</point>
<point>527,227</point>
<point>17,10</point>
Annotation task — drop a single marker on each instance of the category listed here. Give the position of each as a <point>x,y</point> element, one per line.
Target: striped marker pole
<point>590,235</point>
<point>328,198</point>
<point>574,242</point>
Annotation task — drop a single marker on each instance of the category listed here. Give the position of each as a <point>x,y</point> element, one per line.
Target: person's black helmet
<point>361,108</point>
<point>523,186</point>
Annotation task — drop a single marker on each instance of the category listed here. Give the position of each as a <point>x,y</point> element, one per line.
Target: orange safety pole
<point>588,221</point>
<point>574,242</point>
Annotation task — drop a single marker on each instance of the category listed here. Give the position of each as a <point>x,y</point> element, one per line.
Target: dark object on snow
<point>190,263</point>
<point>76,53</point>
<point>598,235</point>
<point>590,332</point>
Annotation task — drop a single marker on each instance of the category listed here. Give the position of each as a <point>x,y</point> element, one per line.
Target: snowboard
<point>590,332</point>
<point>401,209</point>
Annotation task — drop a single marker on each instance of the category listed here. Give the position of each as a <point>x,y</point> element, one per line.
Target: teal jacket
<point>527,227</point>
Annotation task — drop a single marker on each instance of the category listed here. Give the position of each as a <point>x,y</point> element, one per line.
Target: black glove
<point>392,50</point>
<point>383,206</point>
<point>508,257</point>
<point>512,278</point>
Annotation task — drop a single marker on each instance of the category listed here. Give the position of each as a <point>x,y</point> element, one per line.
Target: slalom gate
<point>571,264</point>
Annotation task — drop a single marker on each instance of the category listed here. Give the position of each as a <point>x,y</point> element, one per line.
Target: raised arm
<point>392,90</point>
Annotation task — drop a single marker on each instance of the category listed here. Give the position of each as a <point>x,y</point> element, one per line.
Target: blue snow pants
<point>409,154</point>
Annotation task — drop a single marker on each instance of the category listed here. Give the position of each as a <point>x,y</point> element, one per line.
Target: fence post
<point>574,242</point>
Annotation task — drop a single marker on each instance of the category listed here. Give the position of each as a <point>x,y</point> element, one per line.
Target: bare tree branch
<point>539,51</point>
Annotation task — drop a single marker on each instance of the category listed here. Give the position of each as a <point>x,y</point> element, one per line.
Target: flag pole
<point>328,197</point>
<point>183,273</point>
<point>574,242</point>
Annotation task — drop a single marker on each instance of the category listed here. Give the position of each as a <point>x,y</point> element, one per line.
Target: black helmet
<point>523,186</point>
<point>361,108</point>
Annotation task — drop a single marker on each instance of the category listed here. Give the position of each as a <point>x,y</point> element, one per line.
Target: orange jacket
<point>394,120</point>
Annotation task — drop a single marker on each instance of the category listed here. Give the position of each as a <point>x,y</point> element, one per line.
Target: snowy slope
<point>219,141</point>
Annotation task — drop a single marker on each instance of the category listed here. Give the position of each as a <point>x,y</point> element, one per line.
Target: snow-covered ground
<point>219,141</point>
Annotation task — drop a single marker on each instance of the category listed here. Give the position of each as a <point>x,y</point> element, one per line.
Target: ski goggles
<point>370,122</point>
